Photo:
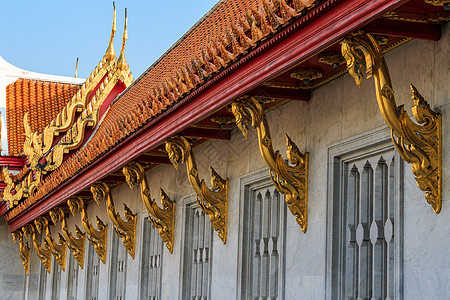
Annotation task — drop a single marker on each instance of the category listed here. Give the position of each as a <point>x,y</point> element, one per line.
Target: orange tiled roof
<point>229,30</point>
<point>42,98</point>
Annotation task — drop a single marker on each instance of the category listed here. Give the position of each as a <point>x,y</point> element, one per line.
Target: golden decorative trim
<point>437,2</point>
<point>333,58</point>
<point>213,202</point>
<point>419,145</point>
<point>306,74</point>
<point>224,121</point>
<point>58,249</point>
<point>24,250</point>
<point>124,229</point>
<point>75,244</point>
<point>44,254</point>
<point>162,218</point>
<point>292,181</point>
<point>23,189</point>
<point>438,17</point>
<point>97,237</point>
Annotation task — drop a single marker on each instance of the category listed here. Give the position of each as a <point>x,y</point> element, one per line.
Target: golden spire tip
<point>110,53</point>
<point>76,68</point>
<point>121,61</point>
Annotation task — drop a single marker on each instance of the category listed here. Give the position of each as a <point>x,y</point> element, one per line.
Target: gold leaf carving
<point>419,144</point>
<point>290,180</point>
<point>213,202</point>
<point>25,250</point>
<point>58,249</point>
<point>162,218</point>
<point>75,244</point>
<point>23,189</point>
<point>80,112</point>
<point>43,253</point>
<point>125,229</point>
<point>97,237</point>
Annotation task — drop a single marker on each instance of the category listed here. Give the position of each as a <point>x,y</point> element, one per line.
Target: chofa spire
<point>110,53</point>
<point>121,61</point>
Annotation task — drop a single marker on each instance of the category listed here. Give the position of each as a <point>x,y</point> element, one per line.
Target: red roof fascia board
<point>3,208</point>
<point>12,162</point>
<point>246,74</point>
<point>425,31</point>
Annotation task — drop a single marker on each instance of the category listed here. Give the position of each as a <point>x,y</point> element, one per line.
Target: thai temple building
<point>281,149</point>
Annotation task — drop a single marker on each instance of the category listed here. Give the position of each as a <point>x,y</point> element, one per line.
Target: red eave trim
<point>3,208</point>
<point>13,162</point>
<point>304,42</point>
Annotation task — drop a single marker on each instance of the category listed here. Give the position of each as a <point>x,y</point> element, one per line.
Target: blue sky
<point>47,36</point>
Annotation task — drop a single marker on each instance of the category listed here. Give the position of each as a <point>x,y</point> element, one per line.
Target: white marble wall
<point>337,111</point>
<point>12,276</point>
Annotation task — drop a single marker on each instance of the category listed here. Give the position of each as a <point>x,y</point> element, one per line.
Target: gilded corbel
<point>97,237</point>
<point>58,249</point>
<point>419,143</point>
<point>75,244</point>
<point>44,254</point>
<point>213,202</point>
<point>162,218</point>
<point>25,250</point>
<point>125,229</point>
<point>289,179</point>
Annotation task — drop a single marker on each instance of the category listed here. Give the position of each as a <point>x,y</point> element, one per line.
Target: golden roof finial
<point>76,68</point>
<point>121,61</point>
<point>110,53</point>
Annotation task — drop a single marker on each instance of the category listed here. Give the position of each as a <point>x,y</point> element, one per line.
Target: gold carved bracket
<point>213,202</point>
<point>25,250</point>
<point>75,244</point>
<point>125,229</point>
<point>97,237</point>
<point>44,254</point>
<point>419,143</point>
<point>58,249</point>
<point>162,218</point>
<point>289,179</point>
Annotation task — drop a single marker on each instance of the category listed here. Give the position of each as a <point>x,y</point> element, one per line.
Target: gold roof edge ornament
<point>25,188</point>
<point>110,53</point>
<point>213,202</point>
<point>121,61</point>
<point>162,218</point>
<point>290,180</point>
<point>37,144</point>
<point>418,143</point>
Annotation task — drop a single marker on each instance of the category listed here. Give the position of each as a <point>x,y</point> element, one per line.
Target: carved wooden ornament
<point>125,229</point>
<point>75,244</point>
<point>161,218</point>
<point>290,180</point>
<point>419,144</point>
<point>213,202</point>
<point>97,237</point>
